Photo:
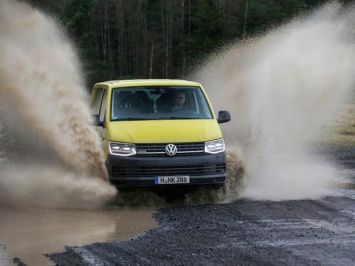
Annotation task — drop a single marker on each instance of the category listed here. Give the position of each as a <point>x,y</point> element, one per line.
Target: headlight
<point>215,146</point>
<point>122,149</point>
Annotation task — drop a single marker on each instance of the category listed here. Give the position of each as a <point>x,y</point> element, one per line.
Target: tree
<point>206,28</point>
<point>76,16</point>
<point>160,39</point>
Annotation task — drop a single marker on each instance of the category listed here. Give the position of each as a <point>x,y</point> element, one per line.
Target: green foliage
<point>207,28</point>
<point>264,14</point>
<point>161,39</point>
<point>76,16</point>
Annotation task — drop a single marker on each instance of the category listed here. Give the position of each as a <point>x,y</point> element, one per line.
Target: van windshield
<point>159,102</point>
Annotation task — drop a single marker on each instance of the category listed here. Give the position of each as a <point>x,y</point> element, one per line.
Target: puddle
<point>346,179</point>
<point>347,186</point>
<point>29,233</point>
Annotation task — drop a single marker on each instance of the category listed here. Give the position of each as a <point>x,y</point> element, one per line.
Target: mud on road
<point>245,232</point>
<point>240,233</point>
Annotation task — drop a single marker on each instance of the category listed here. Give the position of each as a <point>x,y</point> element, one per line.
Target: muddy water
<point>281,89</point>
<point>29,233</point>
<point>47,142</point>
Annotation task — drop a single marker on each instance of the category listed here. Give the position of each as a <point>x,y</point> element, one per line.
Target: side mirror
<point>223,117</point>
<point>96,119</point>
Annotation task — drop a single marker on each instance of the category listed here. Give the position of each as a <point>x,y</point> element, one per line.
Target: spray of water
<point>44,121</point>
<point>281,88</point>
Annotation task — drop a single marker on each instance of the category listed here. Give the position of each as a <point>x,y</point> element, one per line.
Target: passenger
<point>126,106</point>
<point>147,103</point>
<point>165,102</point>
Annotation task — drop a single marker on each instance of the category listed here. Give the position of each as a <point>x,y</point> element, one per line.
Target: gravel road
<point>241,233</point>
<point>245,232</point>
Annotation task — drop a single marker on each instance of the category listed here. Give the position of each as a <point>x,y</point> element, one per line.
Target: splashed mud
<point>281,89</point>
<point>174,196</point>
<point>45,121</point>
<point>50,156</point>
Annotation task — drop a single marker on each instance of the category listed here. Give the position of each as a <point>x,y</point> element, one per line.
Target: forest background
<point>120,39</point>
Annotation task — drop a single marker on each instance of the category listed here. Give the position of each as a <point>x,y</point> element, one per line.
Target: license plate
<point>164,180</point>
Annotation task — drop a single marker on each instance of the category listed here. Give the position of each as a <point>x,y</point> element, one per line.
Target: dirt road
<point>303,232</point>
<point>241,233</point>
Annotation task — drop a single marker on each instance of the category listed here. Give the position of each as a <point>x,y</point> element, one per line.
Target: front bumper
<point>137,171</point>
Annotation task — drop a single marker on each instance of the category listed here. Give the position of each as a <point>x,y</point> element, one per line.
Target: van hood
<point>163,131</point>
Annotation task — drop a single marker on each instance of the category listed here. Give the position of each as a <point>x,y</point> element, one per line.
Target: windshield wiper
<point>131,119</point>
<point>178,117</point>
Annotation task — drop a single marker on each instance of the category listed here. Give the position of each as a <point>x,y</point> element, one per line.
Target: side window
<point>95,108</point>
<point>103,106</point>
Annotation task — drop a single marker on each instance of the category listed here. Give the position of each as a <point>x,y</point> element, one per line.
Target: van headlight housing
<point>122,149</point>
<point>215,146</point>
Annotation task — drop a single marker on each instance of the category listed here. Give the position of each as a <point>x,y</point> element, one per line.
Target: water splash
<point>281,88</point>
<point>44,117</point>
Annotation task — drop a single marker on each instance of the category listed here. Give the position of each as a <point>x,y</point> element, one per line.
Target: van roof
<point>149,82</point>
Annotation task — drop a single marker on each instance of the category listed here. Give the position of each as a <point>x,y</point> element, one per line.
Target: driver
<point>179,101</point>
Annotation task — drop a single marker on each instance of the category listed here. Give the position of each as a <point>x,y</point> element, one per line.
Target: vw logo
<point>170,149</point>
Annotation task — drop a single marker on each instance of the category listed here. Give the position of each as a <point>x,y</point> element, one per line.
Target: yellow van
<point>159,133</point>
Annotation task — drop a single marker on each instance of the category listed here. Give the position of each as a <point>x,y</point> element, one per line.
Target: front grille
<point>133,182</point>
<point>128,182</point>
<point>191,148</point>
<point>147,171</point>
